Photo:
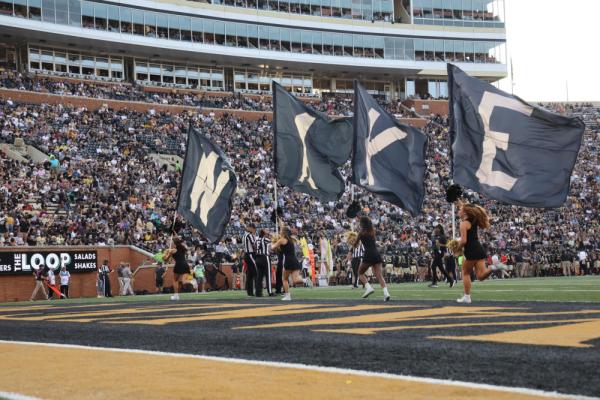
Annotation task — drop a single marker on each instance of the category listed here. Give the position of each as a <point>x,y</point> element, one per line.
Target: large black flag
<point>308,147</point>
<point>207,186</point>
<point>389,157</point>
<point>508,149</point>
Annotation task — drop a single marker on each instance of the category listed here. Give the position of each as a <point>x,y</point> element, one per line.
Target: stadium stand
<point>107,190</point>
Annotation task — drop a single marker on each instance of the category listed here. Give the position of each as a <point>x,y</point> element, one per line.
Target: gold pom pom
<point>454,246</point>
<point>351,238</point>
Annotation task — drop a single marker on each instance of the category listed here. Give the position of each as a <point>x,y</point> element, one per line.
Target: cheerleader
<point>291,265</point>
<point>181,269</point>
<point>371,258</point>
<point>473,217</point>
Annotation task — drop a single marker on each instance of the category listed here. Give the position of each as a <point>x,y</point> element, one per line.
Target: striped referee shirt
<point>249,243</point>
<point>358,251</point>
<point>263,246</point>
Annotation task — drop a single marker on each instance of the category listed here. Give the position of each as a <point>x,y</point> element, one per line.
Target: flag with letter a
<point>207,186</point>
<point>389,157</point>
<point>508,149</point>
<point>308,147</point>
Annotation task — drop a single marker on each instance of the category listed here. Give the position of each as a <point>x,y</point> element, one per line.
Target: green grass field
<point>560,289</point>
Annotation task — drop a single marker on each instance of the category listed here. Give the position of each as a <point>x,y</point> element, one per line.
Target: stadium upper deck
<point>398,48</point>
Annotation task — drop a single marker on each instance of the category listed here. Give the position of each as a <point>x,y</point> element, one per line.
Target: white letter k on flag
<point>379,143</point>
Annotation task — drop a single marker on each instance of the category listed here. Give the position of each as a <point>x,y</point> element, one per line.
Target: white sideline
<point>15,396</point>
<point>409,378</point>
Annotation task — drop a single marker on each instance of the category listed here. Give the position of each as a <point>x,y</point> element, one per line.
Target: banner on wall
<point>25,262</point>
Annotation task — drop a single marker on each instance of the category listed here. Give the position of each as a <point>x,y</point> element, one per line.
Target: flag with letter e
<point>308,147</point>
<point>207,186</point>
<point>507,149</point>
<point>389,157</point>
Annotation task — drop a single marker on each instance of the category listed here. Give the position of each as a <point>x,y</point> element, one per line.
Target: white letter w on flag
<point>379,143</point>
<point>205,192</point>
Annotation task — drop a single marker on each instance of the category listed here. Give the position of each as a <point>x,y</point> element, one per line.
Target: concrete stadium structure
<point>398,48</point>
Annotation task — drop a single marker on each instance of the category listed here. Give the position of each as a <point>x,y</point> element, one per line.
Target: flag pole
<point>173,229</point>
<point>275,205</point>
<point>453,221</point>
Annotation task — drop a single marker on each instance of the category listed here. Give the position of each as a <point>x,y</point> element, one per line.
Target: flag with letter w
<point>389,157</point>
<point>507,149</point>
<point>309,148</point>
<point>207,186</point>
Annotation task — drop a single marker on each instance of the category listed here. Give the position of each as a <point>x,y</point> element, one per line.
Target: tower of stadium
<point>397,48</point>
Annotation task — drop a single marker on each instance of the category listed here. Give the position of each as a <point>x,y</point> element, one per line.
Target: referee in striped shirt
<point>357,254</point>
<point>249,241</point>
<point>263,261</point>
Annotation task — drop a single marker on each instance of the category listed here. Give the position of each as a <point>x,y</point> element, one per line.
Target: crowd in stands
<point>331,105</point>
<point>101,187</point>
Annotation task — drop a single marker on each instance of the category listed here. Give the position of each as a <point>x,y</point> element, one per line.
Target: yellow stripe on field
<point>93,315</point>
<point>373,330</point>
<point>269,311</point>
<point>387,317</point>
<point>90,374</point>
<point>416,315</point>
<point>570,335</point>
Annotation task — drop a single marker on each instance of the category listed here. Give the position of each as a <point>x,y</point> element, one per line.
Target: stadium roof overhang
<point>165,51</point>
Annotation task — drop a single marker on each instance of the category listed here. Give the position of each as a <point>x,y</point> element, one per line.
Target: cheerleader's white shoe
<point>466,299</point>
<point>286,297</point>
<point>369,291</point>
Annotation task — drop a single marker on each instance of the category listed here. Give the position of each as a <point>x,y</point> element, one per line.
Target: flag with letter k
<point>207,186</point>
<point>389,157</point>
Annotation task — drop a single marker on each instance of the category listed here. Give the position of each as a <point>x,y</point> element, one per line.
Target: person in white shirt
<point>499,266</point>
<point>582,256</point>
<point>51,283</point>
<point>65,278</point>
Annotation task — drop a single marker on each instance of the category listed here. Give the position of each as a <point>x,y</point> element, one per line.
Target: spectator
<point>199,276</point>
<point>40,275</point>
<point>51,281</point>
<point>159,274</point>
<point>127,280</point>
<point>120,278</point>
<point>65,278</point>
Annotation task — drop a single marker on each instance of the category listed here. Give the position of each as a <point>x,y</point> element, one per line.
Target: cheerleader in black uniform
<point>291,265</point>
<point>473,217</point>
<point>181,268</point>
<point>371,258</point>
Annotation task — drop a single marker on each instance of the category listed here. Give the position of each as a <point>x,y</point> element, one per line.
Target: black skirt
<point>372,259</point>
<point>475,251</point>
<point>291,263</point>
<point>181,269</point>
